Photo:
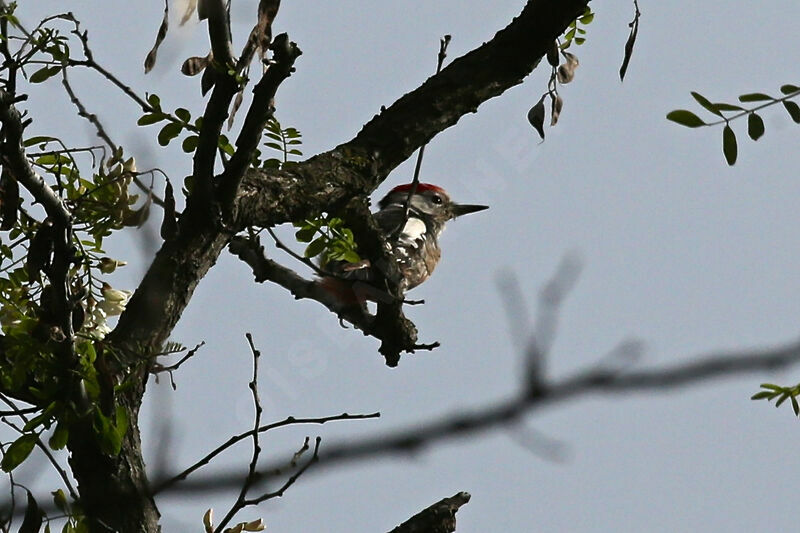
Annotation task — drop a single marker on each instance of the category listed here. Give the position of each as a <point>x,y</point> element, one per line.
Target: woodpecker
<point>412,236</point>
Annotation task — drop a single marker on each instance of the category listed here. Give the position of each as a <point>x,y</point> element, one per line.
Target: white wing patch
<point>413,231</point>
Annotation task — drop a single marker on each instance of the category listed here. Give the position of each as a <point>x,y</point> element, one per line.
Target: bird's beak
<point>465,209</point>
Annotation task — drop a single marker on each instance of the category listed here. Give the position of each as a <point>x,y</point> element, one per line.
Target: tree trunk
<point>114,490</point>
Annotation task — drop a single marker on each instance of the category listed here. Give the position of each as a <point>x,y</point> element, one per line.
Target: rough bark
<point>114,490</point>
<point>438,518</point>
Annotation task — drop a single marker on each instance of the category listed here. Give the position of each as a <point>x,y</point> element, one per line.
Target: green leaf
<point>44,73</point>
<point>121,421</point>
<point>150,118</point>
<point>785,396</point>
<point>793,109</point>
<point>305,234</point>
<point>351,257</point>
<point>169,132</point>
<point>40,139</point>
<point>755,126</point>
<point>722,106</point>
<point>154,101</point>
<point>587,19</point>
<point>579,40</point>
<point>685,118</point>
<point>32,522</point>
<point>60,501</point>
<point>58,440</point>
<point>49,159</point>
<point>190,143</point>
<point>183,114</point>
<point>795,406</point>
<point>42,418</point>
<point>729,147</point>
<point>316,247</point>
<point>755,97</point>
<point>762,395</point>
<point>703,101</point>
<point>274,146</point>
<point>226,146</point>
<point>107,436</point>
<point>18,451</point>
<point>789,89</point>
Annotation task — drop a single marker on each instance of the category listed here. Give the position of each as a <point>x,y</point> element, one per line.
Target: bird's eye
<point>436,199</point>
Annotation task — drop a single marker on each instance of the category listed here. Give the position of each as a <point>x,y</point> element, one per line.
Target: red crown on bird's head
<point>421,187</point>
<point>406,188</point>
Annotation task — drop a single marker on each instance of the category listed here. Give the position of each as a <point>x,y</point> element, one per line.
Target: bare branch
<point>289,482</point>
<point>166,485</point>
<point>507,413</point>
<point>219,31</point>
<point>252,472</point>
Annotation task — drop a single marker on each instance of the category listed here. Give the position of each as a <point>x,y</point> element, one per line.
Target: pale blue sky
<point>679,250</point>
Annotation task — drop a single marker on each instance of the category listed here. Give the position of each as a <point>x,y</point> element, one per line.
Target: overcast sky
<point>678,250</point>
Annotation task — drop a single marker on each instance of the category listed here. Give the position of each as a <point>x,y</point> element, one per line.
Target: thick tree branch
<point>219,30</point>
<point>329,180</point>
<point>396,333</point>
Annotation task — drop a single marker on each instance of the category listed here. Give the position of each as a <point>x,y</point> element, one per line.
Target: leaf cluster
<point>780,394</point>
<point>177,123</point>
<point>328,238</point>
<point>285,141</point>
<point>92,185</point>
<point>561,73</point>
<point>725,113</point>
<point>574,32</point>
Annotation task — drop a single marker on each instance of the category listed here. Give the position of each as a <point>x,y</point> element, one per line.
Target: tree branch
<point>15,160</point>
<point>260,111</point>
<point>329,180</point>
<point>438,518</point>
<point>289,421</point>
<point>396,333</point>
<point>505,413</point>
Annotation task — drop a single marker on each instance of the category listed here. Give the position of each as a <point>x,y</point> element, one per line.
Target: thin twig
<point>443,42</point>
<point>252,472</point>
<point>289,482</point>
<point>306,261</point>
<point>507,413</point>
<point>289,421</point>
<point>158,368</point>
<point>101,132</point>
